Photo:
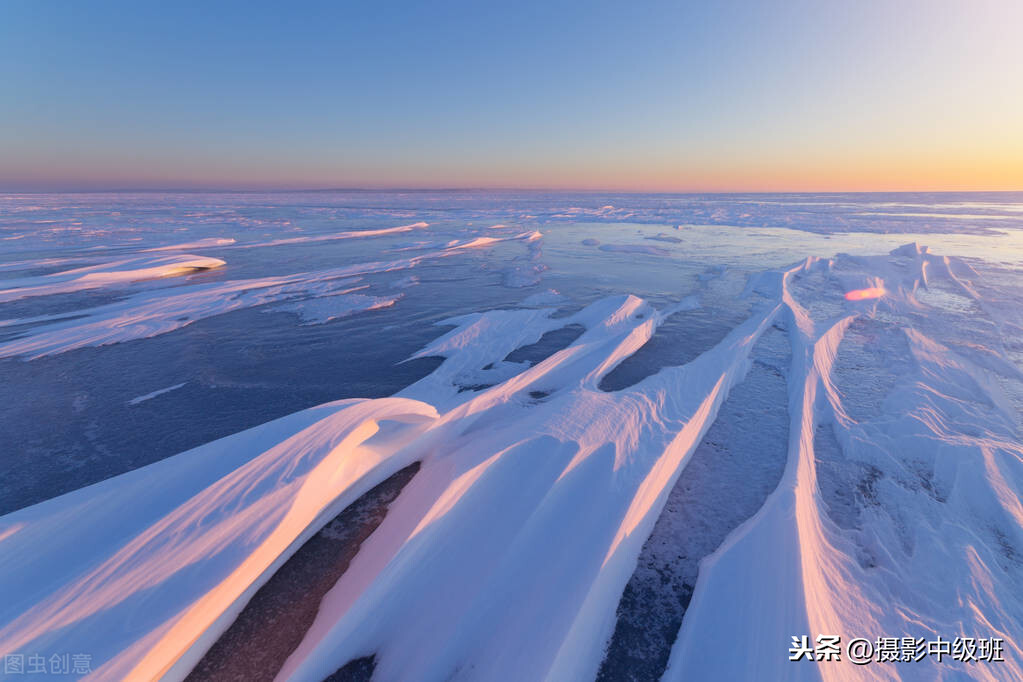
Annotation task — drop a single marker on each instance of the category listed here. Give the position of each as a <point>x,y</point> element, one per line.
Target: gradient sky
<point>660,96</point>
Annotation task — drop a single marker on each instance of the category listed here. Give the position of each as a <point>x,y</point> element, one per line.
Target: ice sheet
<point>537,492</point>
<point>506,557</point>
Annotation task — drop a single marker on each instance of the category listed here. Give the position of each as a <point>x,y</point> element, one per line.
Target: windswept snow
<point>105,275</point>
<point>904,522</point>
<point>829,446</point>
<point>533,236</point>
<point>152,312</point>
<point>207,243</point>
<point>335,306</point>
<point>66,222</point>
<point>153,394</point>
<point>507,554</point>
<point>36,263</point>
<point>348,234</point>
<point>206,527</point>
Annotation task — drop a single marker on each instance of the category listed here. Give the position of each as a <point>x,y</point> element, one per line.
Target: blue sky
<point>913,94</point>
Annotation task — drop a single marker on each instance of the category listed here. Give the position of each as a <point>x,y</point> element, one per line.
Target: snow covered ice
<point>643,452</point>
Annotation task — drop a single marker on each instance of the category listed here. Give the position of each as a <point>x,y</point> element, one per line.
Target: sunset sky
<point>658,96</point>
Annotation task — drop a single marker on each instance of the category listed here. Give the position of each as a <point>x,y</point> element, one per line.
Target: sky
<point>794,95</point>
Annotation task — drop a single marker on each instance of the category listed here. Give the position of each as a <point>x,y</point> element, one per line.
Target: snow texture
<point>735,460</point>
<point>105,275</point>
<point>507,554</point>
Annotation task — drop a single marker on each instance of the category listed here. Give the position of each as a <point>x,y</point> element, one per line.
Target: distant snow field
<point>615,460</point>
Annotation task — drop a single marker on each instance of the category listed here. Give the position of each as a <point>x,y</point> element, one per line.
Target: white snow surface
<point>347,234</point>
<point>207,243</point>
<point>151,312</point>
<point>105,275</point>
<point>505,557</point>
<point>336,306</point>
<point>550,297</point>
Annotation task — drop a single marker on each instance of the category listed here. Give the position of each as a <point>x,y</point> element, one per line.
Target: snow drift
<point>507,554</point>
<point>152,312</point>
<point>105,275</point>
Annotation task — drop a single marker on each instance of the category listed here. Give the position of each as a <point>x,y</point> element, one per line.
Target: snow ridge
<point>506,555</point>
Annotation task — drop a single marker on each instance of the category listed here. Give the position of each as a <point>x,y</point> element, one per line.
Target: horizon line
<point>562,190</point>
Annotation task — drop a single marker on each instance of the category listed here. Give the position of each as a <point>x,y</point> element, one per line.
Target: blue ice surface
<point>69,420</point>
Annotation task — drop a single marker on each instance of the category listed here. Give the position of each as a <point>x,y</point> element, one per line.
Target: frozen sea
<point>663,410</point>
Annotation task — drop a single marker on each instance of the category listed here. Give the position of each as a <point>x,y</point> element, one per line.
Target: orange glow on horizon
<point>674,169</point>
